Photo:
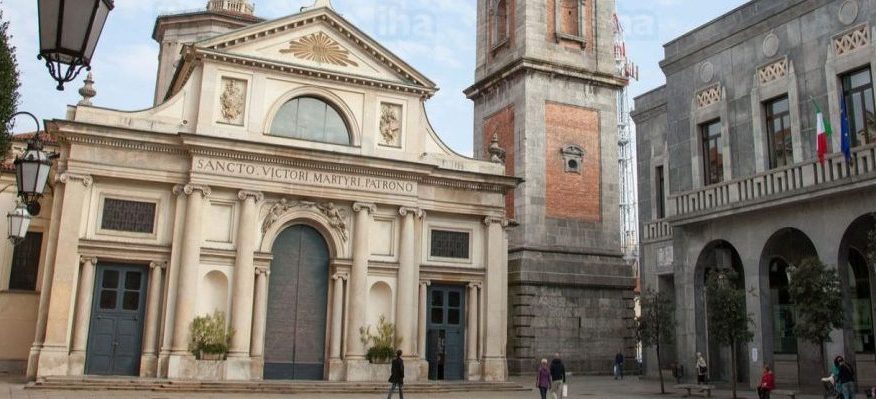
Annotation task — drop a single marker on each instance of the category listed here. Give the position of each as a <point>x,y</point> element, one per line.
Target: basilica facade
<point>287,177</point>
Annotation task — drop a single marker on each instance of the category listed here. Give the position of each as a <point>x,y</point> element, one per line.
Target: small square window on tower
<point>573,156</point>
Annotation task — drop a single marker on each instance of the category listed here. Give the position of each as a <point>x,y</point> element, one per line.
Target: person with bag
<point>844,376</point>
<point>543,381</point>
<point>397,375</point>
<point>558,377</point>
<point>702,369</point>
<point>767,383</point>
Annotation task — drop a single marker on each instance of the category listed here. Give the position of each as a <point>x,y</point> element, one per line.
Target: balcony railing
<point>777,182</point>
<point>657,231</point>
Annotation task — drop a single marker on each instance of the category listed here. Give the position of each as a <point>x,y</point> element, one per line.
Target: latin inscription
<point>284,174</point>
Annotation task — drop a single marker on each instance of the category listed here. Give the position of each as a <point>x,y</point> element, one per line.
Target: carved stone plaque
<point>390,125</point>
<point>232,101</point>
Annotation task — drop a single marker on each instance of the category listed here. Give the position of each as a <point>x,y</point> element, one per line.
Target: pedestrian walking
<point>844,375</point>
<point>619,365</point>
<point>558,376</point>
<point>767,383</point>
<point>702,369</point>
<point>543,381</point>
<point>397,376</point>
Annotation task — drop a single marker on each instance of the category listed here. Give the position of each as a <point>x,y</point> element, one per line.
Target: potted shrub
<point>210,337</point>
<point>381,346</point>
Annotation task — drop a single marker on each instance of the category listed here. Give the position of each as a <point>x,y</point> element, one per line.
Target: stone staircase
<point>263,387</point>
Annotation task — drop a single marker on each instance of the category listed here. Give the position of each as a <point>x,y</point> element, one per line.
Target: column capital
<point>88,259</point>
<point>190,189</point>
<point>496,220</point>
<point>341,276</point>
<point>263,270</point>
<point>258,196</point>
<point>68,177</point>
<point>364,206</point>
<point>417,212</point>
<point>158,265</point>
<point>476,284</point>
<point>425,283</point>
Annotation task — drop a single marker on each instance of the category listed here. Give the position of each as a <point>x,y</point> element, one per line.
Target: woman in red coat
<point>767,383</point>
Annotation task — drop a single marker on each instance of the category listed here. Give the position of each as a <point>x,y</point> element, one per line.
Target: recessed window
<point>779,142</point>
<point>659,193</point>
<point>569,20</point>
<point>861,112</point>
<point>128,216</point>
<point>572,158</point>
<point>500,22</point>
<point>713,152</point>
<point>25,263</point>
<point>310,118</point>
<point>450,244</point>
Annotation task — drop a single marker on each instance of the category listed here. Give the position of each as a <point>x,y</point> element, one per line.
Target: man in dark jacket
<point>619,365</point>
<point>397,378</point>
<point>558,377</point>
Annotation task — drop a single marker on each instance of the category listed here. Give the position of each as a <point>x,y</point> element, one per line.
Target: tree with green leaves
<point>815,292</point>
<point>729,323</point>
<point>9,85</point>
<point>656,325</point>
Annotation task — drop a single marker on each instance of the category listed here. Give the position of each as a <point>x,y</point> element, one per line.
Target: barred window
<point>130,216</point>
<point>450,244</point>
<point>25,263</point>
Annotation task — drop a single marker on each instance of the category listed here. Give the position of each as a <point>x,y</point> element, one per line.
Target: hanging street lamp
<point>69,30</point>
<point>19,222</point>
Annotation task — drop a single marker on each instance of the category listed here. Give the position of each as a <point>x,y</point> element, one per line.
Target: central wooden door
<point>297,301</point>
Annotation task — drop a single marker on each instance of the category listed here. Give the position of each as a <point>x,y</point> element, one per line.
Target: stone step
<point>265,387</point>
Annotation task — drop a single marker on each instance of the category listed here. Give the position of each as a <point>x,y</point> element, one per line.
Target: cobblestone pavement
<point>579,387</point>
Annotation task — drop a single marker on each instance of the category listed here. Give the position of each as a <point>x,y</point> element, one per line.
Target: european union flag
<point>844,130</point>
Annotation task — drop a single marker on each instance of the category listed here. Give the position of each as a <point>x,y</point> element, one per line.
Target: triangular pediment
<point>318,39</point>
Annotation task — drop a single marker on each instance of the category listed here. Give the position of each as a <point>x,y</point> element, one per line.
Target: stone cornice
<point>129,144</point>
<point>540,66</point>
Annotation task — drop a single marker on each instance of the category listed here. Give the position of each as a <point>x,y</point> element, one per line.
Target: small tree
<point>656,325</point>
<point>728,321</point>
<point>381,347</point>
<point>815,292</point>
<point>8,86</point>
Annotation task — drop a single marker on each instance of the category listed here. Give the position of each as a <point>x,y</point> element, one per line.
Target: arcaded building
<point>287,177</point>
<point>729,178</point>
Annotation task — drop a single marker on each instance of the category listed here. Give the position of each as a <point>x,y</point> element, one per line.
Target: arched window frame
<point>500,23</point>
<point>558,22</point>
<point>353,128</point>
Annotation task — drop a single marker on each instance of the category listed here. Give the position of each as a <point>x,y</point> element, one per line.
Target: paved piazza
<point>581,387</point>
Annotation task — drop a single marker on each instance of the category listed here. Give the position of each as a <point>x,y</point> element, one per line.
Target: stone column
<point>336,365</point>
<point>473,365</point>
<point>171,291</point>
<point>244,275</point>
<point>260,314</point>
<point>190,261</point>
<point>149,360</point>
<point>83,315</point>
<point>495,367</point>
<point>54,356</point>
<point>408,275</point>
<point>423,320</point>
<point>356,366</point>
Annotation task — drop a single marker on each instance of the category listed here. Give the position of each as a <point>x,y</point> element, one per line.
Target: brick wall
<point>501,124</point>
<point>572,195</point>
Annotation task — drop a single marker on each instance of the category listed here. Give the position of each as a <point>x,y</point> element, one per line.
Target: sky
<point>437,37</point>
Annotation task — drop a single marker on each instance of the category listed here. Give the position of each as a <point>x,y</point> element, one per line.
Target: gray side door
<point>297,301</point>
<point>445,347</point>
<point>116,329</point>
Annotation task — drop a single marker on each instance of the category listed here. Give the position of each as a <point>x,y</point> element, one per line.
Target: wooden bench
<point>707,389</point>
<point>785,392</point>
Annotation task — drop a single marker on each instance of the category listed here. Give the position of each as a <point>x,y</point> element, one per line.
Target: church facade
<point>287,177</point>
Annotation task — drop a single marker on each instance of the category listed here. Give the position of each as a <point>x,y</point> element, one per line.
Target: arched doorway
<point>297,301</point>
<point>717,255</point>
<point>794,361</point>
<point>857,284</point>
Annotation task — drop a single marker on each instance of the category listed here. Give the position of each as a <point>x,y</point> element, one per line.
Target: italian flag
<point>824,132</point>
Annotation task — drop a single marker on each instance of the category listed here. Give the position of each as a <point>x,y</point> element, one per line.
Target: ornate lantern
<point>31,173</point>
<point>19,222</point>
<point>69,30</point>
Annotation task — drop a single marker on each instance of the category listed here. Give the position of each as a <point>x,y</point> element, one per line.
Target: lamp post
<point>69,31</point>
<point>31,173</point>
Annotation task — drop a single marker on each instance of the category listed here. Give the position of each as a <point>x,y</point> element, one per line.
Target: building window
<point>859,293</point>
<point>778,124</point>
<point>129,216</point>
<point>569,20</point>
<point>500,22</point>
<point>659,181</point>
<point>784,339</point>
<point>25,263</point>
<point>713,152</point>
<point>573,156</point>
<point>450,244</point>
<point>858,96</point>
<point>310,118</point>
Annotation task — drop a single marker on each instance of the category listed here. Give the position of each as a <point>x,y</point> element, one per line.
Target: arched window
<point>500,22</point>
<point>310,118</point>
<point>784,339</point>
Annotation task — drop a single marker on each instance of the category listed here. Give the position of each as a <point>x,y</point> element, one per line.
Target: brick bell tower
<point>547,88</point>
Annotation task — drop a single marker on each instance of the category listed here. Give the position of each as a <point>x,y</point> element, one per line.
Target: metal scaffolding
<point>626,142</point>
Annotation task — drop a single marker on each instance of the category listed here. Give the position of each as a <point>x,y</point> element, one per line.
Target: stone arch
<point>379,303</point>
<point>213,295</point>
<point>309,215</point>
<point>324,95</point>
<point>857,281</point>
<point>718,254</point>
<point>793,360</point>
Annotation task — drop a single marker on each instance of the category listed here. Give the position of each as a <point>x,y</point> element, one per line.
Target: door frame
<point>432,327</point>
